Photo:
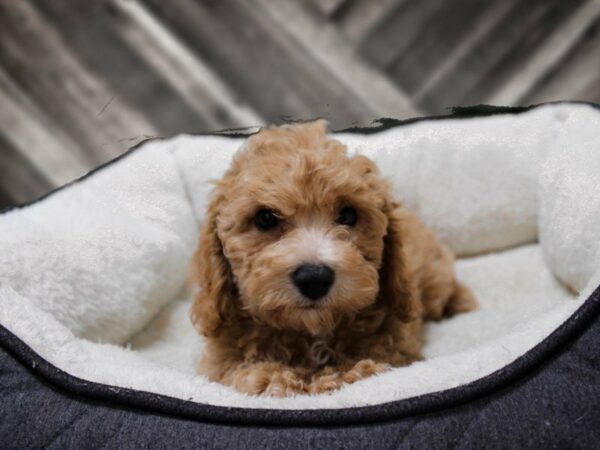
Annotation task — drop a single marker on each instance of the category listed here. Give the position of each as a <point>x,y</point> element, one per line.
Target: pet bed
<point>97,348</point>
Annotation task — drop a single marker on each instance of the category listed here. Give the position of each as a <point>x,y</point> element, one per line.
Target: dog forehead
<point>296,161</point>
<point>306,176</point>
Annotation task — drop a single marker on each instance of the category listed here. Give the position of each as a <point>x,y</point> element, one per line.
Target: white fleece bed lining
<point>121,240</point>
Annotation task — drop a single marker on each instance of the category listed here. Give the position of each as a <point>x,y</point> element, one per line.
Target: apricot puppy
<point>310,274</point>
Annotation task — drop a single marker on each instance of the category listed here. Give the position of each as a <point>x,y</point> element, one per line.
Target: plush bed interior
<point>93,278</point>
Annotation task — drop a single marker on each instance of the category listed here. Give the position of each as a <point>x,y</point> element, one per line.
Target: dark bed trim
<point>525,365</point>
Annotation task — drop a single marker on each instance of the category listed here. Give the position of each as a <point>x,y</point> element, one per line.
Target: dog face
<point>294,236</point>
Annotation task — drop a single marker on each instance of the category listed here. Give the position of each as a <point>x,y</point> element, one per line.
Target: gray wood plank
<point>40,142</point>
<point>93,30</point>
<point>439,35</point>
<point>559,43</point>
<point>19,181</point>
<point>539,31</point>
<point>576,76</point>
<point>329,7</point>
<point>360,17</point>
<point>41,64</point>
<point>485,23</point>
<point>327,45</point>
<point>81,82</point>
<point>395,32</point>
<point>500,54</point>
<point>262,62</point>
<point>196,83</point>
<point>6,200</point>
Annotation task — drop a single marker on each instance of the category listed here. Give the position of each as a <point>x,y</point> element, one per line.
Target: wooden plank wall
<point>82,81</point>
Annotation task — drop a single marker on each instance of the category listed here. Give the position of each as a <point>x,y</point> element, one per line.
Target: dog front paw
<point>364,368</point>
<point>331,378</point>
<point>267,379</point>
<point>326,382</point>
<point>284,384</point>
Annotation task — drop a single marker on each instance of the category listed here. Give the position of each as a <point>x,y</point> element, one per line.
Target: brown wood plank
<point>40,63</point>
<point>502,52</point>
<point>262,62</point>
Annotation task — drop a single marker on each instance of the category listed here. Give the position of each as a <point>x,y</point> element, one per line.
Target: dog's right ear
<point>214,304</point>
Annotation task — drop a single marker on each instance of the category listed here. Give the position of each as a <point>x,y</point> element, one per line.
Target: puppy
<point>310,274</point>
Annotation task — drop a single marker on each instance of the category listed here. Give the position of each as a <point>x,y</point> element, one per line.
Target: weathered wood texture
<point>82,81</point>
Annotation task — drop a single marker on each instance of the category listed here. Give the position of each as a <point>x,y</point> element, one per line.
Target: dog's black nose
<point>312,280</point>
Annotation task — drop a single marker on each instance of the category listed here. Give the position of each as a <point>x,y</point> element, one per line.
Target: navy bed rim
<point>526,364</point>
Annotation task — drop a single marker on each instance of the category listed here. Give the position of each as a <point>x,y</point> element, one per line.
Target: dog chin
<point>315,321</point>
<point>312,319</point>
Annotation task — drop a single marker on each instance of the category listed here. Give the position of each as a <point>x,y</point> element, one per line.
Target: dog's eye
<point>265,219</point>
<point>347,216</point>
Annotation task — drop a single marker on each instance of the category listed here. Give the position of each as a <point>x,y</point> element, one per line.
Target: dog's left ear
<point>395,287</point>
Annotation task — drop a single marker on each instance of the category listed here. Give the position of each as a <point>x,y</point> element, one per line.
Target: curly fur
<point>391,273</point>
